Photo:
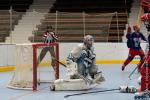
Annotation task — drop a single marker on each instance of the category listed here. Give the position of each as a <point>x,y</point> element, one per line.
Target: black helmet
<point>49,27</point>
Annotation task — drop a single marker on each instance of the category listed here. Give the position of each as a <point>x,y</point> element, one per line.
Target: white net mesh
<point>23,76</point>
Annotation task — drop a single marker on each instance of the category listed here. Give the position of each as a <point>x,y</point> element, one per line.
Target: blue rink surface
<point>112,73</point>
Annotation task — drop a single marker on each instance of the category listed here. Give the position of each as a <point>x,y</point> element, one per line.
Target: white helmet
<point>88,40</point>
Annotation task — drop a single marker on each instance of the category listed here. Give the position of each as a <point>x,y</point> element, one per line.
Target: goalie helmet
<point>88,41</point>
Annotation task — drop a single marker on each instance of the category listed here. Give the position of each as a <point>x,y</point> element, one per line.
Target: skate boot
<point>98,78</point>
<point>122,68</point>
<point>142,96</point>
<point>52,87</point>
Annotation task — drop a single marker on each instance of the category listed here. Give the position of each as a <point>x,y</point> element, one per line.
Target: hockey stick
<point>66,96</point>
<point>132,72</point>
<point>60,62</point>
<point>136,68</point>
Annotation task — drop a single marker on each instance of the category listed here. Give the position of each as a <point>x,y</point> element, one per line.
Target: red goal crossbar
<point>35,46</point>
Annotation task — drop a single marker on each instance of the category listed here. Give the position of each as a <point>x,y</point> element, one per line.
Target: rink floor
<point>112,73</point>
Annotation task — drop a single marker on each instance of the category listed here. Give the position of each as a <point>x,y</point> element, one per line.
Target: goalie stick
<point>122,89</point>
<point>66,96</point>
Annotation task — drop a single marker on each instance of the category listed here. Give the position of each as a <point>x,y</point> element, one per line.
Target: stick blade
<point>66,96</point>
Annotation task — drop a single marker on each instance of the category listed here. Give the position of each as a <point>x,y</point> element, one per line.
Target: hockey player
<point>145,72</point>
<point>49,37</point>
<point>145,69</point>
<point>81,67</point>
<point>129,42</point>
<point>135,48</point>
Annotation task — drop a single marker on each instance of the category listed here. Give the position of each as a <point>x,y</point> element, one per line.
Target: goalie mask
<point>88,41</point>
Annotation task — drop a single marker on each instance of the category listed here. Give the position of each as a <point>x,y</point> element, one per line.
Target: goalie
<point>81,68</point>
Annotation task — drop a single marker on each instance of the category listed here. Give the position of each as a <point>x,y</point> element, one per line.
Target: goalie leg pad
<point>71,84</point>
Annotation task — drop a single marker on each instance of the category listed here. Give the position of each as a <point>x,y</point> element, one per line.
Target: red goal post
<point>35,46</point>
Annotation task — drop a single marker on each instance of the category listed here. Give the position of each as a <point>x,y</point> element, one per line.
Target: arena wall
<point>107,53</point>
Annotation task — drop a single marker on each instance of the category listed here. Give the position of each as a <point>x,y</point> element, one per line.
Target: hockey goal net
<point>28,72</point>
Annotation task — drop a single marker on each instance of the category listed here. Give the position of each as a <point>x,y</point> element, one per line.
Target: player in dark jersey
<point>135,47</point>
